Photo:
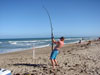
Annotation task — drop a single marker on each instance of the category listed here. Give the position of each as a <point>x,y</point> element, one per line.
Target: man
<point>59,44</point>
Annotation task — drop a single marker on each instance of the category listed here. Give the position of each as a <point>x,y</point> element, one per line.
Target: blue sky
<point>27,18</point>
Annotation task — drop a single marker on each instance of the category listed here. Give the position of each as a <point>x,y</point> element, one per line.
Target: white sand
<point>74,59</point>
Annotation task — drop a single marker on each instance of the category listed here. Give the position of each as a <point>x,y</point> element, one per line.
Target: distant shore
<point>80,59</point>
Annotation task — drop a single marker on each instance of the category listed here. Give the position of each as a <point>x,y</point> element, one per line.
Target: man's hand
<point>52,37</point>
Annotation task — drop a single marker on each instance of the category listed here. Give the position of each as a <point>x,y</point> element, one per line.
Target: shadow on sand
<point>44,66</point>
<point>34,65</point>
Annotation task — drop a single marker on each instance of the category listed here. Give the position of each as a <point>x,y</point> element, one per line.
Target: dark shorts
<point>54,54</point>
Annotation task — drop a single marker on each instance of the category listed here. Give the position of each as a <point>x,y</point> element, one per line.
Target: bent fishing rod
<point>50,25</point>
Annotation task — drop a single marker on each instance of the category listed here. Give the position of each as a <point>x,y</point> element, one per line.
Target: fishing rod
<point>50,26</point>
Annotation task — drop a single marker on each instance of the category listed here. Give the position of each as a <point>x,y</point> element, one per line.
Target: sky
<point>70,18</point>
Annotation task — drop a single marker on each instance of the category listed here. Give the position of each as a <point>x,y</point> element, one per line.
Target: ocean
<point>12,45</point>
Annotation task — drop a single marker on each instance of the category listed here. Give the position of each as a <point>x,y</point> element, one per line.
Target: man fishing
<point>54,53</point>
<point>59,44</point>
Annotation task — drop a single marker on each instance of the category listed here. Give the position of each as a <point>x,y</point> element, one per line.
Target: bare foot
<point>56,65</point>
<point>53,67</point>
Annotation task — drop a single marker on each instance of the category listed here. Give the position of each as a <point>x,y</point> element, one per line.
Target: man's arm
<point>54,41</point>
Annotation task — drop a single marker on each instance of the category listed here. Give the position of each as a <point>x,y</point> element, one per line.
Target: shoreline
<point>14,45</point>
<point>30,49</point>
<point>18,50</point>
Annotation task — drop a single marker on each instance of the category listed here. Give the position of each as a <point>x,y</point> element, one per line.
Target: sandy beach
<point>73,59</point>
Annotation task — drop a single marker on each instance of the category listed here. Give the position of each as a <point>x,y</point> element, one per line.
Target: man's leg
<point>53,63</point>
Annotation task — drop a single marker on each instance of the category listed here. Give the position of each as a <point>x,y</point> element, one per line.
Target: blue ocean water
<point>11,45</point>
